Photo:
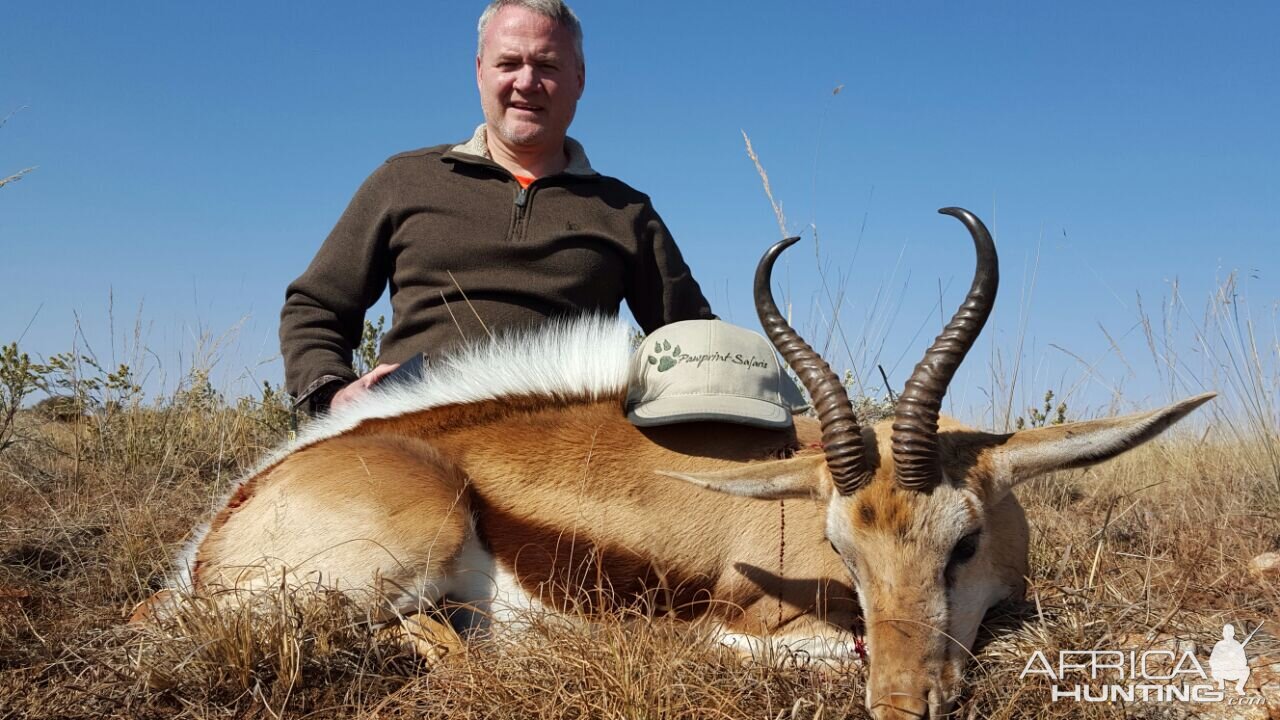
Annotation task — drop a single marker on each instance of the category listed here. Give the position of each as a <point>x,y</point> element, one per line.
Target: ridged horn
<point>841,434</point>
<point>915,421</point>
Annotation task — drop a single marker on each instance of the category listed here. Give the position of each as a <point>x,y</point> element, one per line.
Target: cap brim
<point>710,408</point>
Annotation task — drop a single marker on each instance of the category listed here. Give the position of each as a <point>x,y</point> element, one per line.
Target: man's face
<point>530,78</point>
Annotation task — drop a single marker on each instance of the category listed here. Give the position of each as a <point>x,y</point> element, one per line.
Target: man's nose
<point>527,79</point>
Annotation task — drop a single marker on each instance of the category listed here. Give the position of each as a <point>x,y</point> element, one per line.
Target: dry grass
<point>1150,546</point>
<point>1148,550</point>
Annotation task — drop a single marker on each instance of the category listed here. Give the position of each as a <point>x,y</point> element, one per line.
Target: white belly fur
<point>490,593</point>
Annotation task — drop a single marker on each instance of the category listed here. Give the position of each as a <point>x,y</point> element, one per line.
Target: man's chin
<point>523,135</point>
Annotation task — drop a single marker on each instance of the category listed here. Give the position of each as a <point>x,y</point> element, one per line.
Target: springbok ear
<point>794,477</point>
<point>1026,454</point>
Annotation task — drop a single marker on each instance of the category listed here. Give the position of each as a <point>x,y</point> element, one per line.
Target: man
<point>505,230</point>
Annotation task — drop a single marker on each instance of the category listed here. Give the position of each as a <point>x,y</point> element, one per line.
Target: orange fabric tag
<point>524,180</point>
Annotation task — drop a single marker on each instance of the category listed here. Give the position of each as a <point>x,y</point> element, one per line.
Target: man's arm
<point>661,289</point>
<point>323,316</point>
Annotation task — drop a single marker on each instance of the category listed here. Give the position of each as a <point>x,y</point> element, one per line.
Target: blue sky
<point>193,156</point>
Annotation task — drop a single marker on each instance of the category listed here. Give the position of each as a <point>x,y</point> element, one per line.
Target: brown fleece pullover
<point>464,249</point>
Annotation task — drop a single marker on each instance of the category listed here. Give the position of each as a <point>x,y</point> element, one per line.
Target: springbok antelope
<point>510,478</point>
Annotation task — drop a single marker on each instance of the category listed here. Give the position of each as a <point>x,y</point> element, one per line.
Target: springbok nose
<point>900,706</point>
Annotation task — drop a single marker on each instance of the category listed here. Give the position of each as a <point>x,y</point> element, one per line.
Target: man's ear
<point>1011,459</point>
<point>805,476</point>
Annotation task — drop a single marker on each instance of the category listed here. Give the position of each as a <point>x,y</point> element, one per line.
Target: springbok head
<point>922,515</point>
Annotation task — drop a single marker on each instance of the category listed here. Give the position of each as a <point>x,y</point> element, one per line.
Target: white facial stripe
<point>906,576</point>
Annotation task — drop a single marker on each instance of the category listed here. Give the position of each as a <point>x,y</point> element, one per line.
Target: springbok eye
<point>964,550</point>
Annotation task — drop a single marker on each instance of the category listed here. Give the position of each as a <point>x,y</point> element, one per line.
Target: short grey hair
<point>555,10</point>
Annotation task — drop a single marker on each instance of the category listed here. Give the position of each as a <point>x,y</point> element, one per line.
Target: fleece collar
<point>478,146</point>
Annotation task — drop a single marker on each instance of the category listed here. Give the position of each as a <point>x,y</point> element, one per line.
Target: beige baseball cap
<point>710,370</point>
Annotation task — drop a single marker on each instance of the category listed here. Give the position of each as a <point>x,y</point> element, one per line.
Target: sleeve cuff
<point>315,399</point>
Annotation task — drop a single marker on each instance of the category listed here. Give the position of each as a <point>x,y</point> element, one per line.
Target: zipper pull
<point>522,197</point>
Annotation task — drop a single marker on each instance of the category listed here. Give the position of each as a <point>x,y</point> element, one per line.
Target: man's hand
<point>357,389</point>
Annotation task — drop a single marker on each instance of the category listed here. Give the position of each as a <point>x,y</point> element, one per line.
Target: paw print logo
<point>665,355</point>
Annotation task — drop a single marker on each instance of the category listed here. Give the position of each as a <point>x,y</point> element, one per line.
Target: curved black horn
<point>915,421</point>
<point>841,434</point>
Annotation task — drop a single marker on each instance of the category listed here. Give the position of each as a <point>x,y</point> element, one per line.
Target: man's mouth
<point>527,107</point>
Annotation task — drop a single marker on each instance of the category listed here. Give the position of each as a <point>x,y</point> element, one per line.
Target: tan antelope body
<point>510,479</point>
